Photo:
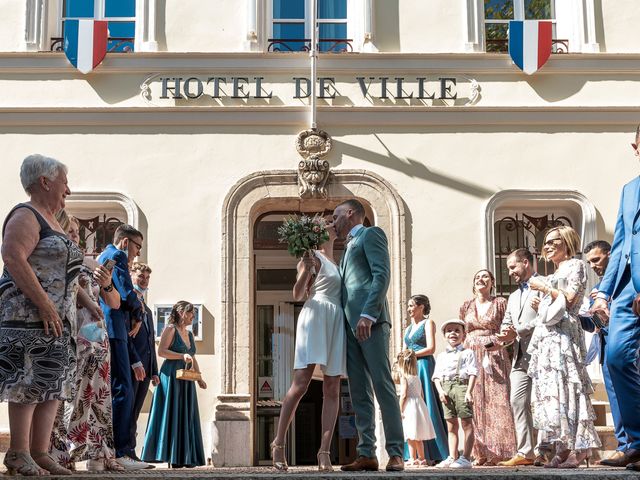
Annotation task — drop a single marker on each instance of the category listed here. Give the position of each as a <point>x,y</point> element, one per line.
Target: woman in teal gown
<point>173,432</point>
<point>420,337</point>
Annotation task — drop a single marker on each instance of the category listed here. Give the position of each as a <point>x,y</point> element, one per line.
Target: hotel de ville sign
<point>278,90</point>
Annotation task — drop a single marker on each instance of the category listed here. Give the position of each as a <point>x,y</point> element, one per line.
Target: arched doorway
<point>251,198</point>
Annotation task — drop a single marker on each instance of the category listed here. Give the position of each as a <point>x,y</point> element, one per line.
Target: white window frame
<point>359,24</point>
<point>575,21</point>
<point>44,21</point>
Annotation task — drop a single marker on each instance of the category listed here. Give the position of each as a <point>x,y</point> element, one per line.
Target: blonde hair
<point>408,362</point>
<point>570,238</point>
<point>65,220</point>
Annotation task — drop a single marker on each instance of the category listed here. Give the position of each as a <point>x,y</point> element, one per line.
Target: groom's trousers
<point>369,371</point>
<point>622,357</point>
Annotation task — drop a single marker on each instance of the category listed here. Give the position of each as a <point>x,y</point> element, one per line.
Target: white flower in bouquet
<point>303,233</point>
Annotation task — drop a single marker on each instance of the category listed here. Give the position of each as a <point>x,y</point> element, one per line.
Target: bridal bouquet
<point>303,233</point>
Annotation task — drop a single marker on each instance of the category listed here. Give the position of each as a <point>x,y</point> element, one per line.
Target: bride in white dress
<point>320,339</point>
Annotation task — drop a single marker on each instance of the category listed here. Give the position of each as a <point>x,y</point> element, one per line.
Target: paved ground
<point>295,473</point>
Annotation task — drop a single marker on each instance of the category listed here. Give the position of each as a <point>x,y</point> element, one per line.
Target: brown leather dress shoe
<point>632,457</point>
<point>362,463</point>
<point>396,464</point>
<point>616,459</point>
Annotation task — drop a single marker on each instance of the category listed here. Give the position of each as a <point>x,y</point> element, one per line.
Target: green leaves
<point>302,233</point>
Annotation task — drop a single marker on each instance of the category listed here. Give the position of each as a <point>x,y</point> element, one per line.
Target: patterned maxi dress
<point>494,430</point>
<point>560,395</point>
<point>35,367</point>
<point>83,429</point>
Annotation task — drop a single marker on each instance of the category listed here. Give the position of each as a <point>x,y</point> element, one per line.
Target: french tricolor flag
<point>85,42</point>
<point>530,44</point>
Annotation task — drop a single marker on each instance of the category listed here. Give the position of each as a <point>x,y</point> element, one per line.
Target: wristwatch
<point>108,288</point>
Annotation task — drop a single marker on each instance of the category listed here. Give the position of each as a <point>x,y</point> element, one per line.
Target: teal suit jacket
<point>365,270</point>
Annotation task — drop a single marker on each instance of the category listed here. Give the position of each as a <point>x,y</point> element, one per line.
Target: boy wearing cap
<point>454,377</point>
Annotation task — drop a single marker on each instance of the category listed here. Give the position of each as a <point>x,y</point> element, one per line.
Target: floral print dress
<point>493,426</point>
<point>561,390</point>
<point>83,428</point>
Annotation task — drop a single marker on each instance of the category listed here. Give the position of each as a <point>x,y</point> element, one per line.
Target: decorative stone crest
<point>313,170</point>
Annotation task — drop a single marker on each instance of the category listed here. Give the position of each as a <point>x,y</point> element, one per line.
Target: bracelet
<point>108,288</point>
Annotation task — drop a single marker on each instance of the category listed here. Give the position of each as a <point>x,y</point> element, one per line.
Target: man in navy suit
<point>598,253</point>
<point>621,286</point>
<point>143,338</point>
<point>127,243</point>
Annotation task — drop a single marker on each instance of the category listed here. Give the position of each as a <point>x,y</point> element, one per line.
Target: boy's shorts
<point>456,407</point>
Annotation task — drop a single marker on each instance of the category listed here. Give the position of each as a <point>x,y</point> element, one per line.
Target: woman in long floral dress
<point>561,388</point>
<point>83,429</point>
<point>494,430</point>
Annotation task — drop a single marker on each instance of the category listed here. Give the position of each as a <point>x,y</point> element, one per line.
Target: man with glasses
<point>621,286</point>
<point>127,243</point>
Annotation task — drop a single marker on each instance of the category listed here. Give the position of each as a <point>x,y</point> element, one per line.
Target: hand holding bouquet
<point>303,233</point>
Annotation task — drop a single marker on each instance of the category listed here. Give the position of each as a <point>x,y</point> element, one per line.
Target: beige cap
<point>457,321</point>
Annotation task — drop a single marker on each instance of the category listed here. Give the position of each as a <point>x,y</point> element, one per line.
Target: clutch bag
<point>188,374</point>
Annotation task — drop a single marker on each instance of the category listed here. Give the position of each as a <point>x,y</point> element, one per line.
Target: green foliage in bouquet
<point>302,233</point>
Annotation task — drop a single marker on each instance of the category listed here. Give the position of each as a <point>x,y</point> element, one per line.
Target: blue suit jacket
<point>118,320</point>
<point>145,344</point>
<point>626,241</point>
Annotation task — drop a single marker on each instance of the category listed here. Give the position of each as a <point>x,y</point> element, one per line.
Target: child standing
<point>416,421</point>
<point>454,376</point>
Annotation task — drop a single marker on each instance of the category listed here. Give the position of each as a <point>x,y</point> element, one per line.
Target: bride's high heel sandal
<point>557,460</point>
<point>278,465</point>
<point>575,459</point>
<point>44,460</point>
<point>324,466</point>
<point>20,463</point>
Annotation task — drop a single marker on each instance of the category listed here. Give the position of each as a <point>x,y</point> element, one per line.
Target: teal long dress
<point>173,432</point>
<point>437,449</point>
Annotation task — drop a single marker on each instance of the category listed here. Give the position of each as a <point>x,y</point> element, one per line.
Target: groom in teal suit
<point>365,274</point>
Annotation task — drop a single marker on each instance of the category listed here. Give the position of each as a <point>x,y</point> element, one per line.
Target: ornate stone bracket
<point>313,170</point>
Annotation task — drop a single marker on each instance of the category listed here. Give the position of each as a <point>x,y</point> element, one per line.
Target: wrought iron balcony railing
<point>115,44</point>
<point>333,45</point>
<point>501,45</point>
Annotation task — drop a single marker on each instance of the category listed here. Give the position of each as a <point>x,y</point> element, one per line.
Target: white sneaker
<point>446,463</point>
<point>95,465</point>
<point>461,462</point>
<point>131,464</point>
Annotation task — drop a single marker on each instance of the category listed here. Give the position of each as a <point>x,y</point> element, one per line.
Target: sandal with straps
<point>278,465</point>
<point>327,466</point>
<point>44,460</point>
<point>19,462</point>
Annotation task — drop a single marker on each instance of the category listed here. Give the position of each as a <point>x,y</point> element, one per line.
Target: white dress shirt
<point>447,364</point>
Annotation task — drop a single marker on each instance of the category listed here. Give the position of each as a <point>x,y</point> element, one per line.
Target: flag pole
<point>313,53</point>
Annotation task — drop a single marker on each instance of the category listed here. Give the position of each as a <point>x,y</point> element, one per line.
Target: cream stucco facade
<point>196,174</point>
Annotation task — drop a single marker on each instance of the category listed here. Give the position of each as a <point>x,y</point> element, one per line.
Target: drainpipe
<point>313,53</point>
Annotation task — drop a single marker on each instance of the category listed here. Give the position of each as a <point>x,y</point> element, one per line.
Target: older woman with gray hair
<point>38,291</point>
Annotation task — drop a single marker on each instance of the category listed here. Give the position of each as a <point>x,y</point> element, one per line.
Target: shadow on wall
<point>386,25</point>
<point>409,167</point>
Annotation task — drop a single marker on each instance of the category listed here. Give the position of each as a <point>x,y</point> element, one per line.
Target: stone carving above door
<point>313,169</point>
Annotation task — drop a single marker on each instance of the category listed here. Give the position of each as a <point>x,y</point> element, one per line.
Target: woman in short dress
<point>320,340</point>
<point>493,426</point>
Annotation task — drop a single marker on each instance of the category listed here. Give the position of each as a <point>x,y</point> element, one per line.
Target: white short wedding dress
<point>320,334</point>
